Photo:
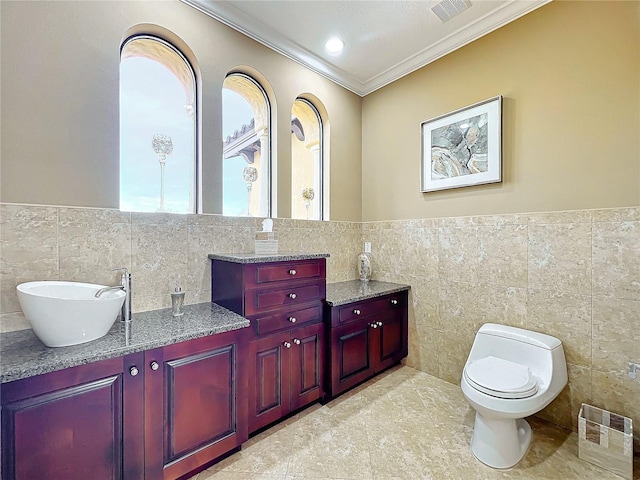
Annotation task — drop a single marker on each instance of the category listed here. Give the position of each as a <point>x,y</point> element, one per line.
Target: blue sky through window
<point>153,101</point>
<point>235,113</point>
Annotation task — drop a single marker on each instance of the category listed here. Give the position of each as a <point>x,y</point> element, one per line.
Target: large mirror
<point>63,138</point>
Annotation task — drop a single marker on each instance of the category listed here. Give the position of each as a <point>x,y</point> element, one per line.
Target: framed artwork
<point>463,147</point>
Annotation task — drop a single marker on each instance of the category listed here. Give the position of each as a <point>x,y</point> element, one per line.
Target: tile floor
<point>402,425</point>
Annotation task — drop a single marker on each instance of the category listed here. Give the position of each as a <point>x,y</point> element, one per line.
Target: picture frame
<point>462,148</point>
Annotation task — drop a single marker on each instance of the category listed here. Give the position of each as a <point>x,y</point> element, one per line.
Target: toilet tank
<point>540,352</point>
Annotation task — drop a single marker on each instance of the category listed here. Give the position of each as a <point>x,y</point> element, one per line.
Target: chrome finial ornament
<point>307,195</point>
<point>249,175</point>
<point>162,146</point>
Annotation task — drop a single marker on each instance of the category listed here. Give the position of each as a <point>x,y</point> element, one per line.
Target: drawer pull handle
<point>373,325</point>
<point>133,371</point>
<point>292,271</point>
<point>297,341</point>
<point>293,319</point>
<point>292,296</point>
<point>357,312</point>
<point>286,345</point>
<point>154,366</point>
<point>394,302</point>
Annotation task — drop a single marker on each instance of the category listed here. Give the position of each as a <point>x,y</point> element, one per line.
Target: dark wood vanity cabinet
<point>256,288</point>
<point>195,403</point>
<point>365,338</point>
<point>82,422</point>
<point>286,373</point>
<point>155,415</point>
<point>284,302</point>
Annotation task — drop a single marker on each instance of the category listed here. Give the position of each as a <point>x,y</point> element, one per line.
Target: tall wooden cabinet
<point>284,301</point>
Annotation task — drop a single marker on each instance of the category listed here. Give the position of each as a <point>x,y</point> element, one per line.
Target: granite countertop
<point>23,355</point>
<point>260,258</point>
<point>342,293</point>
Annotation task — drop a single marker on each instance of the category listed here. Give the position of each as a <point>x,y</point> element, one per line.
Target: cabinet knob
<point>379,323</point>
<point>357,312</point>
<point>373,325</point>
<point>297,341</point>
<point>292,296</point>
<point>394,302</point>
<point>292,271</point>
<point>293,319</point>
<point>133,371</point>
<point>154,366</point>
<point>286,345</point>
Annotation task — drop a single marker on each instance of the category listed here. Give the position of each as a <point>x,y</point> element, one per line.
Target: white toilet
<point>510,374</point>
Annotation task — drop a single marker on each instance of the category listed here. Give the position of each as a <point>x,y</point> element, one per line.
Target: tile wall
<point>162,251</point>
<point>574,275</point>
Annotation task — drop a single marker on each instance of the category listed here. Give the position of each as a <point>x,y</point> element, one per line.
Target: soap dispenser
<point>177,302</point>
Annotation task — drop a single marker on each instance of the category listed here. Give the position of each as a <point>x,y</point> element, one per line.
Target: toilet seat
<point>500,378</point>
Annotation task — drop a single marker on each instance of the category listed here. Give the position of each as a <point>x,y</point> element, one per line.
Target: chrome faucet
<point>108,289</point>
<point>125,285</point>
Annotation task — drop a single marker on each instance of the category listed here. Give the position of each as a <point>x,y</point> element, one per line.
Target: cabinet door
<point>194,408</point>
<point>307,360</point>
<point>82,422</point>
<point>270,379</point>
<point>391,340</point>
<point>351,361</point>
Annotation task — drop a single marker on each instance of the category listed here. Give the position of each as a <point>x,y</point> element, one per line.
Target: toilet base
<point>500,443</point>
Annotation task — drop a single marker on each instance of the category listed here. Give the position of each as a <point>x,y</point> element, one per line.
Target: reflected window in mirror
<point>246,133</point>
<point>157,128</point>
<point>306,161</point>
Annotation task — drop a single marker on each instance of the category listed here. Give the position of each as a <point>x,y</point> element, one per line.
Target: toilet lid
<point>501,378</point>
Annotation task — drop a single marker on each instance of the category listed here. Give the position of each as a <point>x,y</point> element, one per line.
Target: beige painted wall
<point>60,142</point>
<point>570,76</point>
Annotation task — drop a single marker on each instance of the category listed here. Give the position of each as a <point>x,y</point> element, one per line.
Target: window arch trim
<point>263,123</point>
<point>154,54</point>
<point>183,69</point>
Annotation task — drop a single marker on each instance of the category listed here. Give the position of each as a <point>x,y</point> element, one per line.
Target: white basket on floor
<point>606,439</point>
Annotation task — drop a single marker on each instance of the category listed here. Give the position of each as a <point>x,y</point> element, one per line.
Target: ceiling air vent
<point>447,9</point>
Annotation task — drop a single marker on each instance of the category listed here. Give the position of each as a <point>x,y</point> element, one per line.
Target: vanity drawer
<point>260,300</point>
<point>264,324</point>
<point>265,274</point>
<point>376,306</point>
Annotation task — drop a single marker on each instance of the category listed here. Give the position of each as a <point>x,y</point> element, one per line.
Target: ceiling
<point>384,39</point>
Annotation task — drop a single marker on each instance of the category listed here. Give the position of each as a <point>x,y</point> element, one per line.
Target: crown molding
<point>235,18</point>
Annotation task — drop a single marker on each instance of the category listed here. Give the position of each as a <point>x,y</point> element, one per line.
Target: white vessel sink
<point>68,313</point>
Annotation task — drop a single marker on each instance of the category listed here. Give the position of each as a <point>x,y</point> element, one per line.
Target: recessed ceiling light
<point>334,45</point>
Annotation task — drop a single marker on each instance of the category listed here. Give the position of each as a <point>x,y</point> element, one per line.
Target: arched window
<point>157,128</point>
<point>306,161</point>
<point>246,169</point>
